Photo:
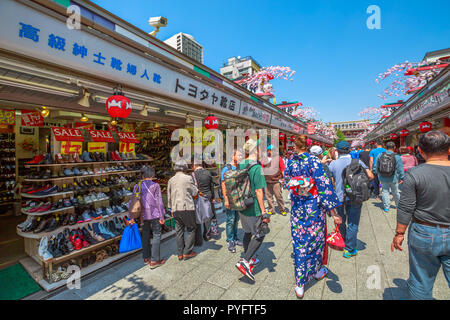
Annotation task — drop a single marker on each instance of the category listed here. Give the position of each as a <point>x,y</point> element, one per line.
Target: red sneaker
<point>35,160</point>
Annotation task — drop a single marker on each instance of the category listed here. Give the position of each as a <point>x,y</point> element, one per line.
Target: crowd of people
<point>334,182</point>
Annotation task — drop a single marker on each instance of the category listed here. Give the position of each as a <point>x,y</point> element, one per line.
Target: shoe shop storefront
<point>81,111</point>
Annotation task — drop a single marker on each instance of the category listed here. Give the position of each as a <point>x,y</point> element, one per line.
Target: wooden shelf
<point>93,247</point>
<point>27,195</point>
<point>47,212</point>
<point>40,235</point>
<point>77,177</point>
<point>82,163</point>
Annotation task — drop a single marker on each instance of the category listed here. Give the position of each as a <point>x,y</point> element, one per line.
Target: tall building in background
<point>236,68</point>
<point>185,43</point>
<point>351,129</point>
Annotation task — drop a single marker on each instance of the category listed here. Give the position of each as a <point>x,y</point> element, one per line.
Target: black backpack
<point>386,164</point>
<point>356,182</point>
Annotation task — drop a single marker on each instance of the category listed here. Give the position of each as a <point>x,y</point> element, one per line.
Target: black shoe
<point>88,237</point>
<point>72,219</point>
<point>43,225</point>
<point>34,224</point>
<point>52,225</point>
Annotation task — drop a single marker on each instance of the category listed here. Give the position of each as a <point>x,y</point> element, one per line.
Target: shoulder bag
<point>203,209</point>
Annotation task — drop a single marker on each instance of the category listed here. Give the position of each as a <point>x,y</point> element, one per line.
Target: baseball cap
<point>343,146</point>
<point>316,150</point>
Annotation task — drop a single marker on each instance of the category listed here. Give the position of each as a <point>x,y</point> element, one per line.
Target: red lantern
<point>425,126</point>
<point>118,106</point>
<point>292,138</point>
<point>211,123</point>
<point>282,136</point>
<point>404,133</point>
<point>394,136</point>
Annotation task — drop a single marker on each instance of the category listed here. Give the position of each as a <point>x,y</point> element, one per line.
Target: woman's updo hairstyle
<point>301,142</point>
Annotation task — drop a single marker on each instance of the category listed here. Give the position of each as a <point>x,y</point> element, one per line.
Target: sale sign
<point>32,118</point>
<point>68,147</point>
<point>126,147</point>
<point>97,147</point>
<point>67,134</point>
<point>7,117</point>
<point>101,136</point>
<point>128,137</point>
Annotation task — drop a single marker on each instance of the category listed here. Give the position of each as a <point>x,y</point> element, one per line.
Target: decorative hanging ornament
<point>292,138</point>
<point>282,136</point>
<point>404,133</point>
<point>211,123</point>
<point>118,106</point>
<point>425,126</point>
<point>394,136</point>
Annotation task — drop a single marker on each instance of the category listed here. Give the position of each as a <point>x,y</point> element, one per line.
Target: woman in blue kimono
<point>308,221</point>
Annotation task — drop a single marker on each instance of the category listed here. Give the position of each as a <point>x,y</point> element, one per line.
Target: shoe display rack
<point>69,201</point>
<point>7,172</point>
<point>75,200</point>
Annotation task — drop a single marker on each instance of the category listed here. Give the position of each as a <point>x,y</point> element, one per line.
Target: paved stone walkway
<point>212,274</point>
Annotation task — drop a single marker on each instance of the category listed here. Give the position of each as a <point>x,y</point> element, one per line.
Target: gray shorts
<point>251,224</point>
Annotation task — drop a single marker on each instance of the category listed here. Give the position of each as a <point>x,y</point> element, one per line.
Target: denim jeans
<point>386,188</point>
<point>350,215</point>
<point>155,226</point>
<point>232,224</point>
<point>429,249</point>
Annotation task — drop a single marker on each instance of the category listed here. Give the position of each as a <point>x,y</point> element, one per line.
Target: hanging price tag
<point>126,147</point>
<point>68,147</point>
<point>97,147</point>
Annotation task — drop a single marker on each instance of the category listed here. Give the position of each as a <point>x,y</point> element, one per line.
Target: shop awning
<point>128,137</point>
<point>101,136</point>
<point>67,134</point>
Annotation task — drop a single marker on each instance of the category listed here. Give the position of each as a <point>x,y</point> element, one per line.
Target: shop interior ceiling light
<point>45,112</point>
<point>188,119</point>
<point>84,118</point>
<point>144,111</point>
<point>84,101</point>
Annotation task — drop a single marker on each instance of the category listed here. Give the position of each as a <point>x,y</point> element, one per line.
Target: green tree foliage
<point>340,135</point>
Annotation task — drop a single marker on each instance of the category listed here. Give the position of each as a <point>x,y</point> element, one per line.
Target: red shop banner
<point>128,137</point>
<point>101,136</point>
<point>67,134</point>
<point>32,118</point>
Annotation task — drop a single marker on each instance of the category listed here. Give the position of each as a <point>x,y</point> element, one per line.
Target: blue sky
<point>336,57</point>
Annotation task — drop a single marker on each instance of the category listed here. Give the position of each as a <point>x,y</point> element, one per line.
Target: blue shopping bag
<point>131,238</point>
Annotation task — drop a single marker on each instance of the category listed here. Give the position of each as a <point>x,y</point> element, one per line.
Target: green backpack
<point>239,191</point>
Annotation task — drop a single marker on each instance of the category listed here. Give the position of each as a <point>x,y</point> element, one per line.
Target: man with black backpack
<point>389,168</point>
<point>351,179</point>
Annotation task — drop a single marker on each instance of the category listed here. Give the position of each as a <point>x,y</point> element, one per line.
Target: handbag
<point>131,238</point>
<point>135,208</point>
<point>335,239</point>
<point>203,209</point>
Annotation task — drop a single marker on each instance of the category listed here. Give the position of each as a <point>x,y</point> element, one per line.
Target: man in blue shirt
<point>391,183</point>
<point>232,215</point>
<point>348,209</point>
<point>373,155</point>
